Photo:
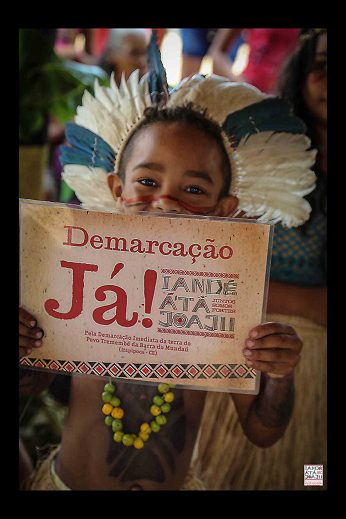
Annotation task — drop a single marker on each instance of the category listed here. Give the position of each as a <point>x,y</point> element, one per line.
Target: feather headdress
<point>269,154</point>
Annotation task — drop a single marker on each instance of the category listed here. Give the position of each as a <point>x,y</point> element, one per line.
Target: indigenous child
<point>131,154</point>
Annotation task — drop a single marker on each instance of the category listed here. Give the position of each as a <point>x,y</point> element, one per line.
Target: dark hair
<point>293,75</point>
<point>181,114</point>
<point>290,87</point>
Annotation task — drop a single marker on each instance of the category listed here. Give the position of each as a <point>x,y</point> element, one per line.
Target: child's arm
<point>274,350</point>
<point>218,50</point>
<point>30,381</point>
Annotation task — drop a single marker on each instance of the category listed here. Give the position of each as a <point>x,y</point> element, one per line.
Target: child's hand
<point>273,348</point>
<point>29,333</point>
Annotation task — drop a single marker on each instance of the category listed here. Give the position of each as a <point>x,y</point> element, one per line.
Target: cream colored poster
<point>144,297</point>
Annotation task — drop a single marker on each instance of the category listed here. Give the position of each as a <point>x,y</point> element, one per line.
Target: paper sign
<point>144,297</point>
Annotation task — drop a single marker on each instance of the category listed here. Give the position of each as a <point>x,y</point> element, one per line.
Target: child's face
<point>173,168</point>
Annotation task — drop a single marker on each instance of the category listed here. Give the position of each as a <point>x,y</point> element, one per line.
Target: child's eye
<point>147,182</point>
<point>194,190</point>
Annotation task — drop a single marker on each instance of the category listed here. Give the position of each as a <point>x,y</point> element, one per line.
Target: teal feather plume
<point>272,114</point>
<point>87,149</point>
<point>157,79</point>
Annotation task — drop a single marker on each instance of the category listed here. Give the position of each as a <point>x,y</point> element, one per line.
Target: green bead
<point>109,387</point>
<point>115,401</point>
<point>118,436</point>
<point>163,388</point>
<point>109,420</point>
<point>158,400</point>
<point>128,439</point>
<point>161,419</point>
<point>165,408</point>
<point>106,396</point>
<point>117,425</point>
<point>155,427</point>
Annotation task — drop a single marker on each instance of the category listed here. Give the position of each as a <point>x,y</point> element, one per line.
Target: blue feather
<point>87,149</point>
<point>271,114</point>
<point>70,155</point>
<point>157,80</point>
<point>86,139</point>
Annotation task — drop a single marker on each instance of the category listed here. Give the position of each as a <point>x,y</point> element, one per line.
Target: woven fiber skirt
<point>228,461</point>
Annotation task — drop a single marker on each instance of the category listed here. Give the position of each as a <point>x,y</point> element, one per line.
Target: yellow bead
<point>169,397</point>
<point>145,428</point>
<point>155,410</point>
<point>117,413</point>
<point>138,443</point>
<point>107,409</point>
<point>144,436</point>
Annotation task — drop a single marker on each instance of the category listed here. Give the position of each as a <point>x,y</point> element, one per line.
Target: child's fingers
<point>34,333</point>
<point>272,368</point>
<point>26,318</point>
<point>274,335</point>
<point>26,344</point>
<point>279,341</point>
<point>271,328</point>
<point>273,348</point>
<point>277,356</point>
<point>29,334</point>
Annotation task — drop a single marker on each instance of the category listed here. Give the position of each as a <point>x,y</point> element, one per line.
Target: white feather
<point>274,175</point>
<point>217,94</point>
<point>115,91</point>
<point>90,186</point>
<point>101,95</point>
<point>113,111</point>
<point>144,90</point>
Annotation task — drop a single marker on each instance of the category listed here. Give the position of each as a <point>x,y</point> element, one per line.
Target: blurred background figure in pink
<point>268,50</point>
<point>76,45</point>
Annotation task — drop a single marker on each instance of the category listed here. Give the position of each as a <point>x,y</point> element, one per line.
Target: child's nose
<point>167,204</point>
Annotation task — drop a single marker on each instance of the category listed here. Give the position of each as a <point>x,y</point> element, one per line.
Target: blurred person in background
<point>126,51</point>
<point>299,256</point>
<point>196,43</point>
<point>269,50</point>
<point>123,50</point>
<point>75,45</point>
<point>298,296</point>
<point>100,39</point>
<point>70,45</point>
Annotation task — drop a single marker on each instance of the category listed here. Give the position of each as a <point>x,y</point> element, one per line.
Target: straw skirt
<point>228,461</point>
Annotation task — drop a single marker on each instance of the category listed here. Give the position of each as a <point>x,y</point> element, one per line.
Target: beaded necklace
<point>114,414</point>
